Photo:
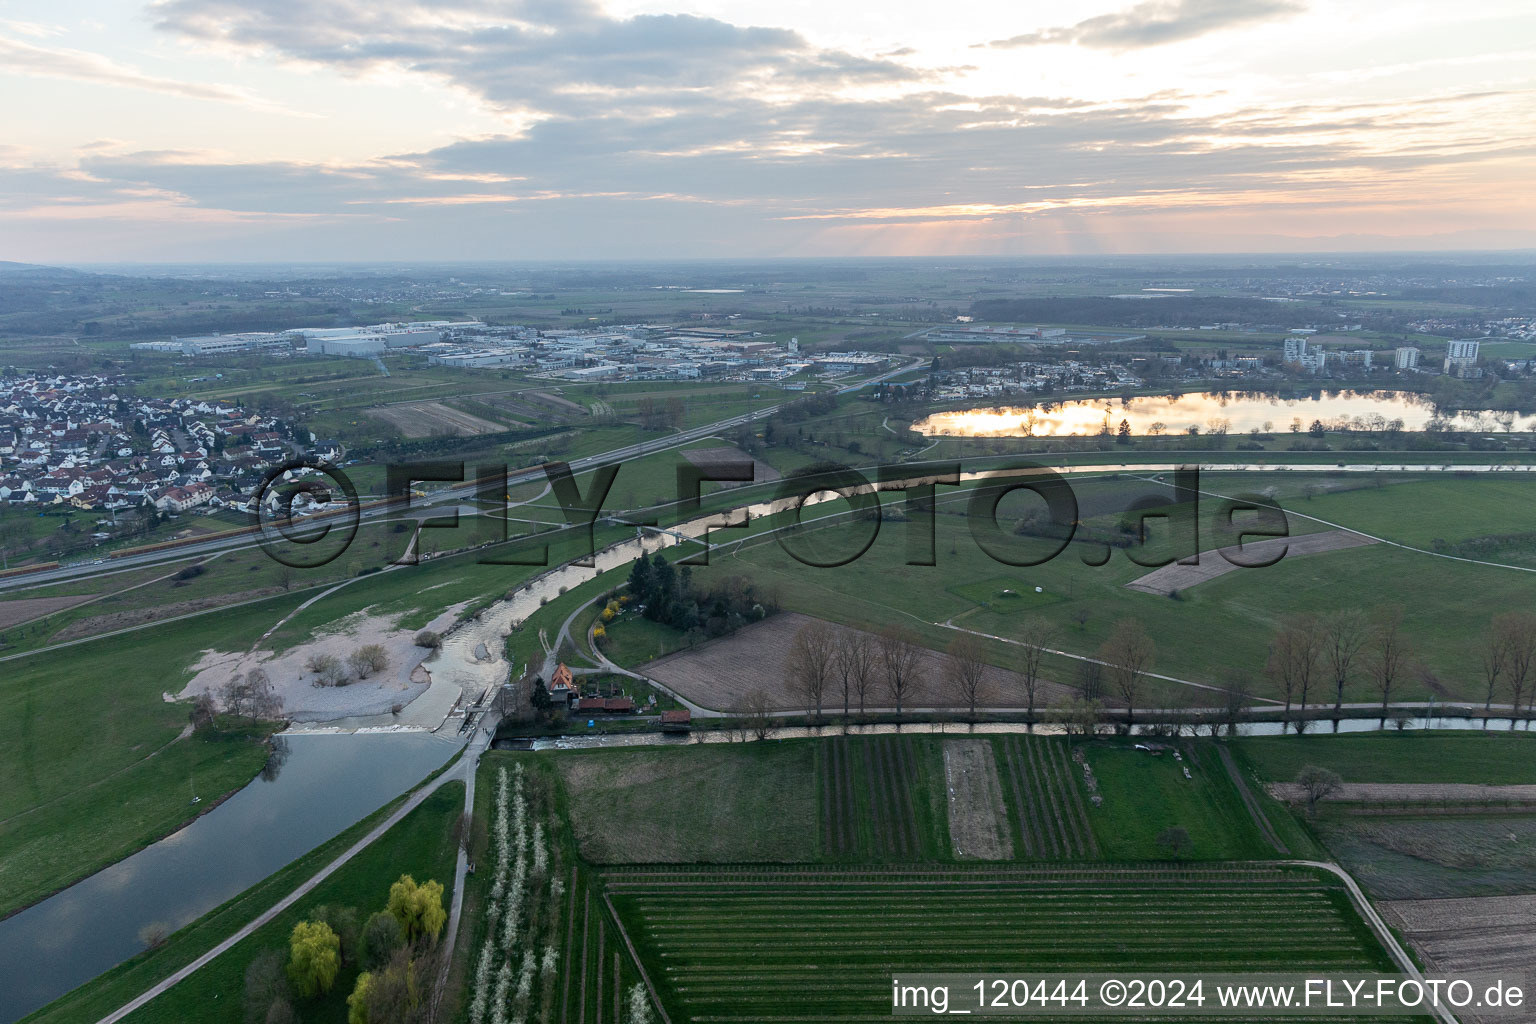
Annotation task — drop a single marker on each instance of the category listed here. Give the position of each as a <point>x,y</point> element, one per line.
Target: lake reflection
<point>1210,412</point>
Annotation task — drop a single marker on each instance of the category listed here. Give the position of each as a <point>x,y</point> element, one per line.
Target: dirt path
<point>975,796</point>
<point>1414,793</point>
<point>1249,801</point>
<point>1214,563</point>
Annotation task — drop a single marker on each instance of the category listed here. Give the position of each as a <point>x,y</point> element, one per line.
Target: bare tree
<point>900,662</point>
<point>368,659</point>
<point>1389,652</point>
<point>264,701</point>
<point>856,666</point>
<point>1495,659</point>
<point>965,671</point>
<point>203,711</point>
<point>236,695</point>
<point>1344,636</point>
<point>1518,632</point>
<point>810,665</point>
<point>1236,691</point>
<point>1036,636</point>
<point>1128,654</point>
<point>1293,658</point>
<point>327,668</point>
<point>758,715</point>
<point>1317,784</point>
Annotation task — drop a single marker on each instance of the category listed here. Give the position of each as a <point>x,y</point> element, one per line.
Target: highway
<point>100,567</point>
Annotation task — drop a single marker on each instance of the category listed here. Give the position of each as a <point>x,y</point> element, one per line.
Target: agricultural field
<point>882,799</point>
<point>696,804</point>
<point>433,419</point>
<point>1047,802</point>
<point>755,944</point>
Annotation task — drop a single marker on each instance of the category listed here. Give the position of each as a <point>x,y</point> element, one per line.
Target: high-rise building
<point>1407,358</point>
<point>1461,356</point>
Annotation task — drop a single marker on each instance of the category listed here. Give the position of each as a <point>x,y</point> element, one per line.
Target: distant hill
<point>10,268</point>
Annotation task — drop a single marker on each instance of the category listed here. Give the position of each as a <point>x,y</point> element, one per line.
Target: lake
<point>1210,412</point>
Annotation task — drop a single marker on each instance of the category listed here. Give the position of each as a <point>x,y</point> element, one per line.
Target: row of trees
<point>1326,652</point>
<point>1312,660</point>
<point>829,663</point>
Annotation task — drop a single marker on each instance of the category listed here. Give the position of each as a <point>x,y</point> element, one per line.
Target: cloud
<point>539,57</point>
<point>1155,22</point>
<point>17,57</point>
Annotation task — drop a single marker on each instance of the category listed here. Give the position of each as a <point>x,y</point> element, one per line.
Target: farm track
<point>759,943</point>
<point>1053,823</point>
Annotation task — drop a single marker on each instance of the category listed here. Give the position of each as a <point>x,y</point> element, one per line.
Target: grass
<point>89,771</point>
<point>1243,608</point>
<point>1491,758</point>
<point>633,640</point>
<point>420,845</point>
<point>734,946</point>
<point>710,803</point>
<point>1143,795</point>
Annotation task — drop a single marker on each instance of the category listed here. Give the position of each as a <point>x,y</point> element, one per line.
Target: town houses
<point>89,441</point>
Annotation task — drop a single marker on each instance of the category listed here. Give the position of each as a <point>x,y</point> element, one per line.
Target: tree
<point>757,715</point>
<point>203,711</point>
<point>327,668</point>
<point>382,935</point>
<point>266,984</point>
<point>1518,631</point>
<point>1495,658</point>
<point>1175,840</point>
<point>810,663</point>
<point>1389,652</point>
<point>388,995</point>
<point>1293,658</point>
<point>368,660</point>
<point>418,908</point>
<point>1035,636</point>
<point>314,957</point>
<point>1317,784</point>
<point>1236,692</point>
<point>1128,654</point>
<point>965,670</point>
<point>856,666</point>
<point>1343,637</point>
<point>900,662</point>
<point>430,639</point>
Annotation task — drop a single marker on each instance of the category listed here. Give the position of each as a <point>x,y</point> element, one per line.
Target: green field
<point>1490,758</point>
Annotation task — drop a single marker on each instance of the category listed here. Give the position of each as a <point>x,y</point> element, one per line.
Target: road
<point>627,453</point>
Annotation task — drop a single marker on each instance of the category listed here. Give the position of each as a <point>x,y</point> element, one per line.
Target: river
<point>324,785</point>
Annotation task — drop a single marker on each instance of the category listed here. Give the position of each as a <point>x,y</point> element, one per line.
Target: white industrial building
<point>221,344</point>
<point>371,340</point>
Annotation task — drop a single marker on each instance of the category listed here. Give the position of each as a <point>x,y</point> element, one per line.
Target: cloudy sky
<point>519,129</point>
